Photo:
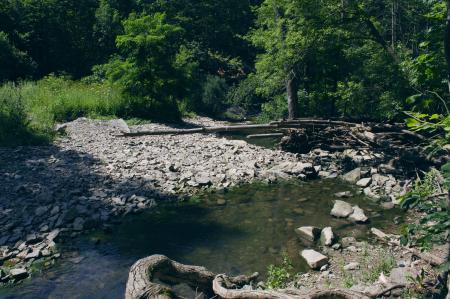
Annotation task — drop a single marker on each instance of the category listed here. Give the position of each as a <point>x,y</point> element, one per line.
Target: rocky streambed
<point>90,178</point>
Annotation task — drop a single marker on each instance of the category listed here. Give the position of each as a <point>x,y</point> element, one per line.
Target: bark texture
<point>140,283</point>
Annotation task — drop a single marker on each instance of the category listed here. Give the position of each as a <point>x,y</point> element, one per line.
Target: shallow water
<point>267,142</point>
<point>235,232</point>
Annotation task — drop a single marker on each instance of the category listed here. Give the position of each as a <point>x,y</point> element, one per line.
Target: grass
<point>29,110</point>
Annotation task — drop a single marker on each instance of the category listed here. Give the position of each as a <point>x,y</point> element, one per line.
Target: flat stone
<point>327,236</point>
<point>358,215</point>
<point>203,179</point>
<point>379,234</point>
<point>309,233</point>
<point>351,266</point>
<point>352,176</point>
<point>18,273</point>
<point>34,254</point>
<point>341,209</point>
<point>364,182</point>
<point>314,259</point>
<point>53,235</point>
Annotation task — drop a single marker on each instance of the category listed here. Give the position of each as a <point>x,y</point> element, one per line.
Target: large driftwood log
<point>141,284</point>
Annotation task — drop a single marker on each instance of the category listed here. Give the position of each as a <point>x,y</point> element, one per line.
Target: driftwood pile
<point>146,275</point>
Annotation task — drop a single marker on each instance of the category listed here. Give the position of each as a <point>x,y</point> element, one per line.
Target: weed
<point>279,276</point>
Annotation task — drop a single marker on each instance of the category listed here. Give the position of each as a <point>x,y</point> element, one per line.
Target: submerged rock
<point>314,259</point>
<point>341,209</point>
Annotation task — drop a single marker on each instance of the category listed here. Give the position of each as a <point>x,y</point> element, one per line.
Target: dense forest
<point>265,60</point>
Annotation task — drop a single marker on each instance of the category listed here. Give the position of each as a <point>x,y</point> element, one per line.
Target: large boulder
<point>327,236</point>
<point>314,259</point>
<point>341,209</point>
<point>309,233</point>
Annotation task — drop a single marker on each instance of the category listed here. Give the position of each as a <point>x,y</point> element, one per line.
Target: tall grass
<point>29,110</point>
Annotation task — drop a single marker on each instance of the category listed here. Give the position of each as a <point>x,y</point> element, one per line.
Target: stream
<point>236,232</point>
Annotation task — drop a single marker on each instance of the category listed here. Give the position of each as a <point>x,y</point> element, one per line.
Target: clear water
<point>235,232</point>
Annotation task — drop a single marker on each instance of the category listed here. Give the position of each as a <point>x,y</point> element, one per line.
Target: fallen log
<point>265,135</point>
<point>272,125</point>
<point>141,285</point>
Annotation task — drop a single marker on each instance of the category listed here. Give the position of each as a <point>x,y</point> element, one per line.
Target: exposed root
<point>140,283</point>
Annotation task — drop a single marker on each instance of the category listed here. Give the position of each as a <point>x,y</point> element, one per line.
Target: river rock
<point>379,234</point>
<point>203,179</point>
<point>341,209</point>
<point>309,233</point>
<point>358,215</point>
<point>327,236</point>
<point>18,273</point>
<point>351,266</point>
<point>314,259</point>
<point>343,194</point>
<point>352,176</point>
<point>34,254</point>
<point>364,182</point>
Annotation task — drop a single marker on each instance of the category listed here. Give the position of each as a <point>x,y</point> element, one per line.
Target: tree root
<point>140,283</point>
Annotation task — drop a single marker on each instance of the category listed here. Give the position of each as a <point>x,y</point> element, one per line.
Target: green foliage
<point>13,62</point>
<point>214,95</point>
<point>145,72</point>
<point>436,124</point>
<point>433,227</point>
<point>279,276</point>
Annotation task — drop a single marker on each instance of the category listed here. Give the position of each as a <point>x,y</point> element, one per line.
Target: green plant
<point>278,276</point>
<point>428,196</point>
<point>376,263</point>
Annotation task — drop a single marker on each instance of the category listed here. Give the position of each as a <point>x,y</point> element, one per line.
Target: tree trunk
<point>291,81</point>
<point>447,43</point>
<point>292,96</point>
